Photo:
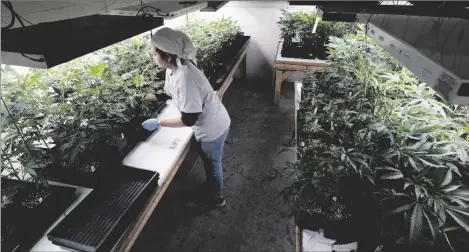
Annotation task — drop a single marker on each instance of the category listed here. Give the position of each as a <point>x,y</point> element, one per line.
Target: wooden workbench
<point>285,67</point>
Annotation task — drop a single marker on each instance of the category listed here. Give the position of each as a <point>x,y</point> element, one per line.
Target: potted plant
<point>217,44</point>
<point>73,116</point>
<point>23,200</point>
<point>300,26</point>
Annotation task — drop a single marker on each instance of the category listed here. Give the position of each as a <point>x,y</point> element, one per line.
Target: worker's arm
<point>186,119</point>
<point>191,106</point>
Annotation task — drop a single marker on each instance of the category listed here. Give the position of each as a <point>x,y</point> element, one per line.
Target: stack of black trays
<point>101,218</point>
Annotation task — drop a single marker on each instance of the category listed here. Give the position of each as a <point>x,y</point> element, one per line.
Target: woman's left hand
<point>150,97</point>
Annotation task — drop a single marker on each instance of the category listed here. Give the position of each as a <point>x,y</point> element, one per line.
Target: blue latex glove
<point>151,124</point>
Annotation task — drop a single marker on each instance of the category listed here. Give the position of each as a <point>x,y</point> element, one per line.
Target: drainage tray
<point>97,223</point>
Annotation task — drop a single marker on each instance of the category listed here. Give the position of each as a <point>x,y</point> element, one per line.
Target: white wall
<point>257,19</point>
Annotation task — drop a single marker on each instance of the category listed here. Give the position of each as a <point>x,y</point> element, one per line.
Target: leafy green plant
<point>68,112</point>
<point>309,31</point>
<point>210,38</point>
<point>368,116</point>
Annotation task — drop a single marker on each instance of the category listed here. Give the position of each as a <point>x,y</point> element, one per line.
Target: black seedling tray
<point>99,220</point>
<point>299,52</point>
<point>24,224</point>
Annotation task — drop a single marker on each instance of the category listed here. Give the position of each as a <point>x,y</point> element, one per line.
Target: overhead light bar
<point>165,9</point>
<point>214,6</point>
<point>49,44</point>
<point>347,11</point>
<point>336,16</point>
<point>416,43</point>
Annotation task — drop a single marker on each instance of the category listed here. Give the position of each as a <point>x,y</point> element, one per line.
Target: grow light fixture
<point>435,49</point>
<point>165,9</point>
<point>213,6</point>
<point>49,44</point>
<point>347,10</point>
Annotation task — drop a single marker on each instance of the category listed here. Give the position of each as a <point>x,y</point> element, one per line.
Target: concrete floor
<point>256,217</point>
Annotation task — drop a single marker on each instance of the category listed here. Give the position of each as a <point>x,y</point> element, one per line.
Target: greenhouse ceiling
<point>43,34</point>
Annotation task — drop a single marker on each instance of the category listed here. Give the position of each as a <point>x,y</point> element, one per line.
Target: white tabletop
<point>158,153</point>
<point>162,148</point>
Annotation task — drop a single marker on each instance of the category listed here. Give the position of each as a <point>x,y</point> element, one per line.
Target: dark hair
<point>165,55</point>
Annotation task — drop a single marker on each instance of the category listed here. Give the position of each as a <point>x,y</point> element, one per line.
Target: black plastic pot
<point>344,230</point>
<point>296,50</point>
<point>23,225</point>
<point>134,132</point>
<point>311,221</point>
<point>227,59</point>
<point>157,106</point>
<point>100,219</point>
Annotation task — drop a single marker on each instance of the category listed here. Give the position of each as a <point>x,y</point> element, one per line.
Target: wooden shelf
<point>285,67</point>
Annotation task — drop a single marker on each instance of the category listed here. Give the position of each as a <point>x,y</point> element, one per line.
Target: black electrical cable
<point>33,59</point>
<point>9,6</point>
<point>145,7</point>
<point>13,16</point>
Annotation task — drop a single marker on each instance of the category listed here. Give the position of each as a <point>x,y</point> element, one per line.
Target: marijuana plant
<point>368,116</point>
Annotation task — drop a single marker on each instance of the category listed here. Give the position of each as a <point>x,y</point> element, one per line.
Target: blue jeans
<point>211,154</point>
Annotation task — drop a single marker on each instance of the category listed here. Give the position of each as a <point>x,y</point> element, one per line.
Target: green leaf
<point>430,164</point>
<point>33,80</point>
<point>449,229</point>
<point>402,208</point>
<point>96,69</point>
<point>30,171</point>
<point>453,168</point>
<point>391,176</point>
<point>447,178</point>
<point>461,217</point>
<point>432,224</point>
<point>451,188</point>
<point>416,224</point>
<point>413,164</point>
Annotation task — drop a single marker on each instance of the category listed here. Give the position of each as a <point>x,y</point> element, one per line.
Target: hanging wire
<point>15,16</point>
<point>145,8</point>
<point>145,13</point>
<point>105,7</point>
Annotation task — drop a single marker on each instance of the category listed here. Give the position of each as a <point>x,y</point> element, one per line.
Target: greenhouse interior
<point>309,126</point>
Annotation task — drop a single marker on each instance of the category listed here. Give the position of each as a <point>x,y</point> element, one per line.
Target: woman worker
<point>200,108</point>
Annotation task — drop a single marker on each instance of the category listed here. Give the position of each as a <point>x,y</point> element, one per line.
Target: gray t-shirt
<point>192,93</point>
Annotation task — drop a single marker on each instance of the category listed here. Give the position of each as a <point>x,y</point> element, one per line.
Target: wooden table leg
<point>278,85</point>
<point>298,239</point>
<point>280,76</point>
